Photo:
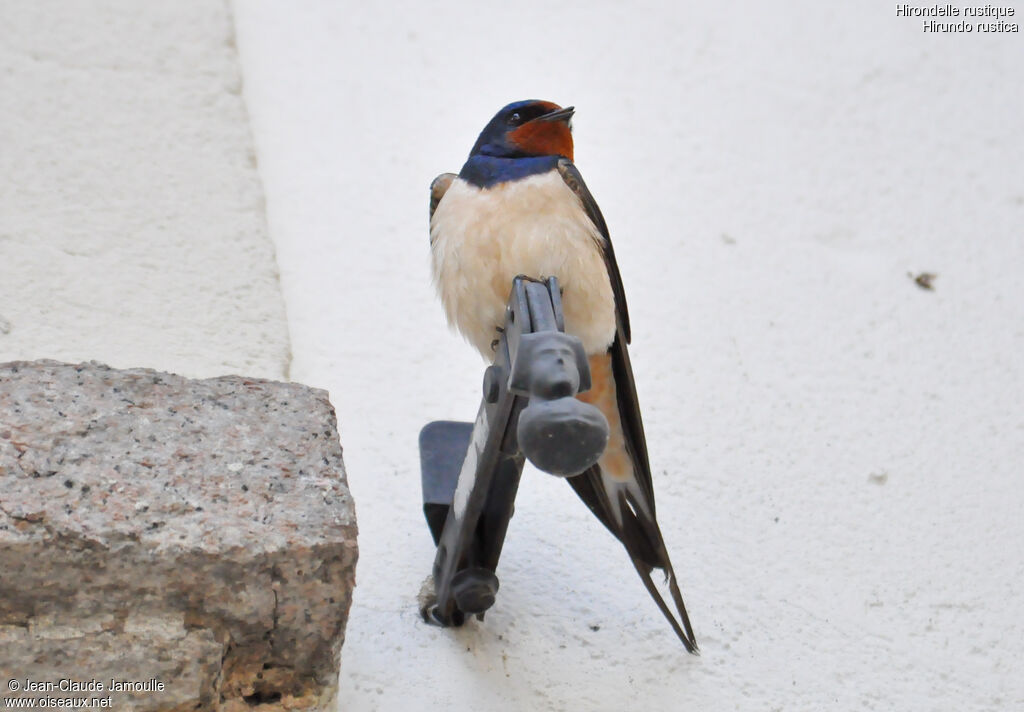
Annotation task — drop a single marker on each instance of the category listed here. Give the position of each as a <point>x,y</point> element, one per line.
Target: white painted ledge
<point>132,227</point>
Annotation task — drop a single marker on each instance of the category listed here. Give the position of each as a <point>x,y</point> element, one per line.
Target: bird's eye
<point>514,119</point>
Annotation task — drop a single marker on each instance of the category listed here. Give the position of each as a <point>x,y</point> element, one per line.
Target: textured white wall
<point>132,225</point>
<point>837,452</point>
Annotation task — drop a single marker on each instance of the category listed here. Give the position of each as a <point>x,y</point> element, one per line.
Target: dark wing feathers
<point>573,179</point>
<point>629,406</point>
<point>438,187</point>
<point>629,413</point>
<point>630,533</point>
<point>588,484</point>
<point>638,532</point>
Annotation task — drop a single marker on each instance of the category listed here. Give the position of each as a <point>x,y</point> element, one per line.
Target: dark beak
<point>558,115</point>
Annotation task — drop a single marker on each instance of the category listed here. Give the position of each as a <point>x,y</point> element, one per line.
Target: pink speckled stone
<point>153,526</point>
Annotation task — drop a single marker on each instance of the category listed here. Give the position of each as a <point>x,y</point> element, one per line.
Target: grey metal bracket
<point>471,471</point>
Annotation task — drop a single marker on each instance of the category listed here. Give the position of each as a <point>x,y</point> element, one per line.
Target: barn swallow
<point>519,206</point>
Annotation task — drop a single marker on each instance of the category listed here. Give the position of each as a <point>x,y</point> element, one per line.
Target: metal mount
<point>471,471</point>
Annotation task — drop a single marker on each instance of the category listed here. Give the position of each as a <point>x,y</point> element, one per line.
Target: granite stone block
<point>198,534</point>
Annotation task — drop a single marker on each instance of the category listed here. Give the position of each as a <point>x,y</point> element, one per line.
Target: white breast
<point>482,238</point>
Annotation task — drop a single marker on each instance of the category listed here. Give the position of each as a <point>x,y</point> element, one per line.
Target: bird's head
<point>526,129</point>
